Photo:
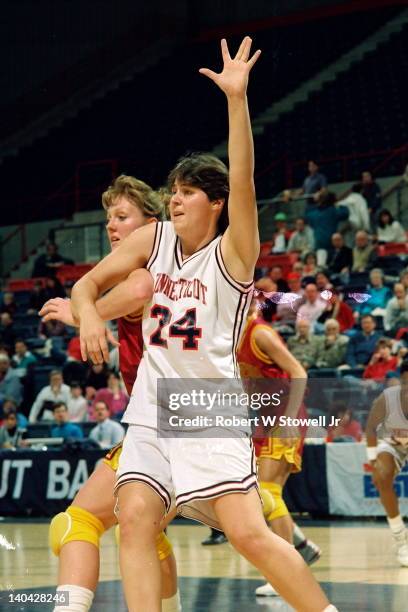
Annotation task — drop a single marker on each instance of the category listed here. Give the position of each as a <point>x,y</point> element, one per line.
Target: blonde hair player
<point>75,533</point>
<point>203,287</point>
<point>263,354</point>
<point>387,451</point>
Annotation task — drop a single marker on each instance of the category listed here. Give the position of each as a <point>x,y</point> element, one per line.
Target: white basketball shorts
<point>190,470</point>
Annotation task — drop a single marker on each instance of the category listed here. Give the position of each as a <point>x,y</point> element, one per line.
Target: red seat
<point>285,260</point>
<point>73,272</point>
<point>24,284</point>
<point>266,248</point>
<point>392,248</point>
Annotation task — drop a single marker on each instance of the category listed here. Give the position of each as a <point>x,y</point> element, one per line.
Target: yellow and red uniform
<point>254,363</point>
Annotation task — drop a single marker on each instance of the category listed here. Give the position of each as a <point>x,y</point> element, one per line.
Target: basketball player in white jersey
<point>202,290</point>
<point>387,450</point>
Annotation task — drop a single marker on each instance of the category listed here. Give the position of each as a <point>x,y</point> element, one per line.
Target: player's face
<point>122,218</point>
<point>190,207</point>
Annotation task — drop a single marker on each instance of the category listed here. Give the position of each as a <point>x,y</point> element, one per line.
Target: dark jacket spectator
<point>7,334</point>
<point>340,256</point>
<point>324,219</point>
<point>8,304</point>
<point>362,345</point>
<point>371,191</point>
<point>48,263</point>
<point>52,289</point>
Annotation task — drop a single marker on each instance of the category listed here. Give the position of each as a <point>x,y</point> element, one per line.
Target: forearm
<point>127,297</point>
<point>240,141</point>
<point>296,395</point>
<point>83,298</point>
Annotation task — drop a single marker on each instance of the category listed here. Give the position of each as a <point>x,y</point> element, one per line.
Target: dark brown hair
<point>208,173</point>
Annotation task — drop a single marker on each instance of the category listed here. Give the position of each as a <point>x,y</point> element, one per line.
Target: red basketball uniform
<point>131,348</point>
<point>254,363</point>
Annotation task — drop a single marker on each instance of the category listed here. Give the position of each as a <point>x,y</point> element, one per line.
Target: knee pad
<point>280,508</point>
<point>268,502</point>
<point>163,544</point>
<point>74,525</point>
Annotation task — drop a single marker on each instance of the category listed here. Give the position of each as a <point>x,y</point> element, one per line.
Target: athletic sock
<point>330,608</point>
<point>397,527</point>
<point>79,599</point>
<point>172,604</point>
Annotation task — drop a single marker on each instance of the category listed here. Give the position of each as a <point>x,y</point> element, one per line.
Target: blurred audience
<point>362,345</point>
<point>389,230</point>
<point>331,347</point>
<point>378,292</point>
<point>276,275</point>
<point>363,253</point>
<point>302,240</point>
<point>62,427</point>
<point>281,235</point>
<point>381,361</point>
<point>10,433</point>
<point>347,427</point>
<point>8,303</point>
<point>313,305</point>
<point>49,263</point>
<point>340,257</point>
<point>359,217</point>
<point>7,332</point>
<point>303,345</point>
<point>77,404</point>
<point>10,384</point>
<point>22,358</point>
<point>396,311</point>
<point>324,218</point>
<point>371,191</point>
<point>106,433</point>
<point>113,395</point>
<point>56,391</point>
<point>10,405</point>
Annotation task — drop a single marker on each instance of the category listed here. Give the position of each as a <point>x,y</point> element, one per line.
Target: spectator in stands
<point>362,345</point>
<point>113,395</point>
<point>53,289</point>
<point>331,347</point>
<point>315,184</point>
<point>396,311</point>
<point>371,191</point>
<point>10,433</point>
<point>56,391</point>
<point>322,281</point>
<point>96,378</point>
<point>276,275</point>
<point>310,267</point>
<point>285,319</point>
<point>77,404</point>
<point>324,218</point>
<point>106,433</point>
<point>347,427</point>
<point>10,405</point>
<point>313,305</point>
<point>359,218</point>
<point>381,361</point>
<point>8,303</point>
<point>303,345</point>
<point>62,428</point>
<point>49,263</point>
<point>340,311</point>
<point>404,278</point>
<point>36,299</point>
<point>340,259</point>
<point>363,253</point>
<point>379,295</point>
<point>281,235</point>
<point>10,385</point>
<point>22,358</point>
<point>389,230</point>
<point>302,240</point>
<point>7,333</point>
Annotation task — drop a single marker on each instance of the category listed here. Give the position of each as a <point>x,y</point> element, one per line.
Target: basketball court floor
<point>358,570</point>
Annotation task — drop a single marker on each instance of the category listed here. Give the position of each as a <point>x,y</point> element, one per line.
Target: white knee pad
<point>79,598</point>
<point>330,608</point>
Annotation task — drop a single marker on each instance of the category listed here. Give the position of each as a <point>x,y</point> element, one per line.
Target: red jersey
<point>131,348</point>
<point>253,363</point>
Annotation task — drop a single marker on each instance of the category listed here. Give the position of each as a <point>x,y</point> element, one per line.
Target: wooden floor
<point>358,570</point>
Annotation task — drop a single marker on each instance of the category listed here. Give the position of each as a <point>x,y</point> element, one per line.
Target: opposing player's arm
<point>375,418</point>
<point>127,298</point>
<point>269,343</point>
<point>132,254</point>
<point>240,248</point>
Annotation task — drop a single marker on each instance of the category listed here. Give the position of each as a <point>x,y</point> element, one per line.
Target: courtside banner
<point>350,484</point>
<point>38,483</point>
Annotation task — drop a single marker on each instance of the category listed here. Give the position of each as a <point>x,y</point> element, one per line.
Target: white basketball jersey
<point>395,425</point>
<point>193,324</point>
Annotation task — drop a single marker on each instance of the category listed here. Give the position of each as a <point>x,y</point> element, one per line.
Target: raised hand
<point>233,80</point>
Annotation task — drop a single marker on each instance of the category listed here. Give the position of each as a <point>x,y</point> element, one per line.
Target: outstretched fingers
<point>225,51</point>
<point>244,49</point>
<point>254,58</point>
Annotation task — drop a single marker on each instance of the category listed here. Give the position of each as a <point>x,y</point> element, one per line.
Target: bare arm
<point>269,343</point>
<point>375,418</point>
<point>133,253</point>
<point>240,248</point>
<point>126,298</point>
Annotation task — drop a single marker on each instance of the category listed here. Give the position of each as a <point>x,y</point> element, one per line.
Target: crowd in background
<point>347,316</point>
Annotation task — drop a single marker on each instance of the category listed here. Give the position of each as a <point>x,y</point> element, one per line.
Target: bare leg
<point>140,513</point>
<point>383,477</point>
<point>278,471</point>
<point>252,538</point>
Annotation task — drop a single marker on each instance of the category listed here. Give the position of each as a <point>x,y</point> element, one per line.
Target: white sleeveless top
<point>193,324</point>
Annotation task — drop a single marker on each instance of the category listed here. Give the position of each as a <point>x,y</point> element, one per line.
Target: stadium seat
<point>392,248</point>
<point>23,284</point>
<point>73,272</point>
